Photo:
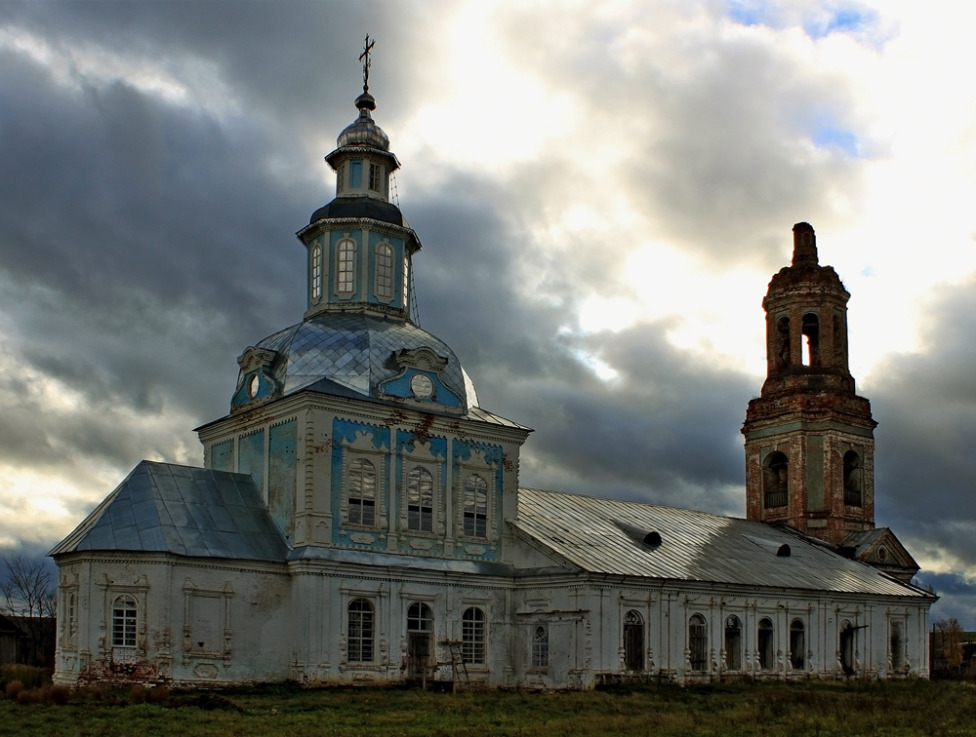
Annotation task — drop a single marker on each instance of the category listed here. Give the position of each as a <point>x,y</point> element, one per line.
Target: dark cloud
<point>147,239</point>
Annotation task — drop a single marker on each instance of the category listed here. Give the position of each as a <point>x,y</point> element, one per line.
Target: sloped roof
<point>614,537</point>
<point>197,512</point>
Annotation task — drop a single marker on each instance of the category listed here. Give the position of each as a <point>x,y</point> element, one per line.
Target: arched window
<point>733,643</point>
<point>124,621</point>
<point>776,484</point>
<point>811,343</point>
<point>420,500</point>
<point>362,493</point>
<point>633,641</point>
<point>316,272</point>
<point>473,636</point>
<point>781,346</point>
<point>853,496</point>
<point>540,646</point>
<point>798,645</point>
<point>764,644</point>
<point>384,272</point>
<point>359,638</point>
<point>346,267</point>
<point>697,642</point>
<point>475,506</point>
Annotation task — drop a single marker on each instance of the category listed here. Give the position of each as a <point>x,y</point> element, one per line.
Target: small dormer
<point>256,383</point>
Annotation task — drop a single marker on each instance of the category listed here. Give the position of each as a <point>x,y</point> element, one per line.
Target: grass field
<point>910,708</point>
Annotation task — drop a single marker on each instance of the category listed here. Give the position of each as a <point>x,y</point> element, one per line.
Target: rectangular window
<point>374,177</point>
<point>360,635</point>
<point>355,174</point>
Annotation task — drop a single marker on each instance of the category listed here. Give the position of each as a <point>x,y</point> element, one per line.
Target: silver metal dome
<point>356,350</point>
<point>363,131</point>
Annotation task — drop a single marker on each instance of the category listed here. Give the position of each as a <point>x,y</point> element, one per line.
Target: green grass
<point>909,709</point>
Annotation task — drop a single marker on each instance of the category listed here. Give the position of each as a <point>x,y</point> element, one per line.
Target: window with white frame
<point>360,631</point>
<point>473,636</point>
<point>346,267</point>
<point>316,272</point>
<point>475,506</point>
<point>540,646</point>
<point>361,483</point>
<point>420,500</point>
<point>384,272</point>
<point>124,612</point>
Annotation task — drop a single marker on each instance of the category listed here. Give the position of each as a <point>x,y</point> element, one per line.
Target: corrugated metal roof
<point>608,536</point>
<point>161,507</point>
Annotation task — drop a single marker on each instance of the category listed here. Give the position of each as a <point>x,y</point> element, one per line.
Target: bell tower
<point>809,439</point>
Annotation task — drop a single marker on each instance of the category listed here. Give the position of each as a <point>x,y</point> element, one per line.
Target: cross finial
<point>364,58</point>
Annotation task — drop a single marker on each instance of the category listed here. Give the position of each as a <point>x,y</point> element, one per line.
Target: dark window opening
<point>896,646</point>
<point>798,645</point>
<point>633,641</point>
<point>847,648</point>
<point>853,496</point>
<point>765,644</point>
<point>733,643</point>
<point>781,347</point>
<point>776,486</point>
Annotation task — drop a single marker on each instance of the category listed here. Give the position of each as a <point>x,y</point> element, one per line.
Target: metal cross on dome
<point>364,58</point>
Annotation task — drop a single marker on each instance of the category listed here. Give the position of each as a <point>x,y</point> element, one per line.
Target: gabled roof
<point>608,536</point>
<point>161,507</point>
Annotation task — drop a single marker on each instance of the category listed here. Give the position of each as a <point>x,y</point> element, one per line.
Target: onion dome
<point>364,132</point>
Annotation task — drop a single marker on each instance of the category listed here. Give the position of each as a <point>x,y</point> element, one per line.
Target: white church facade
<point>359,519</point>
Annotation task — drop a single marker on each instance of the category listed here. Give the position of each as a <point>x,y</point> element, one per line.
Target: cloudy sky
<point>603,191</point>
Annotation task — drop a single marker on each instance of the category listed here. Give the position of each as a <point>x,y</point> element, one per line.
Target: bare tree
<point>30,599</point>
<point>948,641</point>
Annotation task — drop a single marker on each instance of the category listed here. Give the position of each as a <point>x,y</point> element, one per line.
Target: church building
<point>358,518</point>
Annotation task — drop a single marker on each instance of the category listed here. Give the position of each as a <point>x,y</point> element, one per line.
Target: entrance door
<point>418,652</point>
<point>420,630</point>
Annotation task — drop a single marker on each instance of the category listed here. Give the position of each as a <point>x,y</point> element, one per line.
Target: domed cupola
<point>357,338</point>
<point>360,247</point>
<point>364,132</point>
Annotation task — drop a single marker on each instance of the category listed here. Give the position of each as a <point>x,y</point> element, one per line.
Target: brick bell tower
<point>809,438</point>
